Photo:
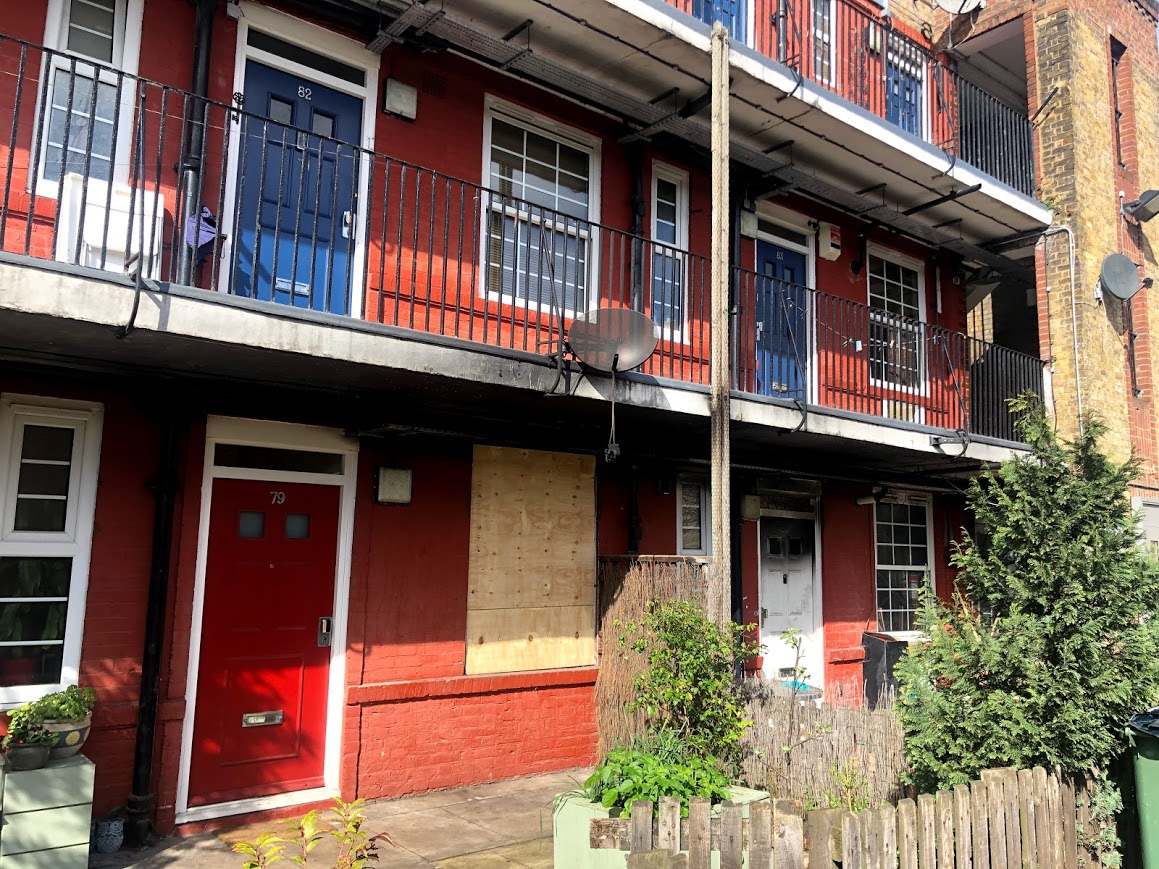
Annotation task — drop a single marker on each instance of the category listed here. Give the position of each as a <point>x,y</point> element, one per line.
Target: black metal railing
<point>864,58</point>
<point>134,176</point>
<point>263,209</point>
<point>822,351</point>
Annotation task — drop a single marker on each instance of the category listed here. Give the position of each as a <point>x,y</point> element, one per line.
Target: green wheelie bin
<point>1144,735</point>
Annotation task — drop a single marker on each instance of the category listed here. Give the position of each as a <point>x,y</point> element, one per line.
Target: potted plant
<point>27,745</point>
<point>66,714</point>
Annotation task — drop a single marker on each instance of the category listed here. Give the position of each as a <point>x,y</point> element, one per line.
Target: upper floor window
<point>823,40</point>
<point>895,337</point>
<point>539,236</point>
<point>669,260</point>
<point>48,472</point>
<point>84,112</point>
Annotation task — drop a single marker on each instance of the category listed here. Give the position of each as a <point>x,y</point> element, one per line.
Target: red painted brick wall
<point>118,578</point>
<point>414,722</point>
<point>848,595</point>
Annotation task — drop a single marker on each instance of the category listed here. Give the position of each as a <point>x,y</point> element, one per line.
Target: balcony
<point>318,228</point>
<point>851,52</point>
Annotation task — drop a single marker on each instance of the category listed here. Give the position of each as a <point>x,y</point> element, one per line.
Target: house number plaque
<point>261,719</point>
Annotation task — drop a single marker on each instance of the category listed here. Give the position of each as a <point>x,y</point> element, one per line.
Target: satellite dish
<point>612,339</point>
<point>1119,276</point>
<point>960,7</point>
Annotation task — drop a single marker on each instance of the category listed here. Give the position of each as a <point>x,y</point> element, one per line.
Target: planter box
<point>572,823</point>
<point>46,815</point>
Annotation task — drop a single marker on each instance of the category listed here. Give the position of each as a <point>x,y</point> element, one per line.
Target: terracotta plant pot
<point>71,736</point>
<point>754,665</point>
<point>25,757</point>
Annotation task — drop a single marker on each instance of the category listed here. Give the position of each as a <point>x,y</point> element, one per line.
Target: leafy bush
<point>71,704</point>
<point>27,733</point>
<point>1049,644</point>
<point>689,687</point>
<point>344,824</point>
<point>631,774</point>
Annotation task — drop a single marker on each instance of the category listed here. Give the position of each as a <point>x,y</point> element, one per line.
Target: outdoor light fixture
<point>1143,208</point>
<point>880,493</point>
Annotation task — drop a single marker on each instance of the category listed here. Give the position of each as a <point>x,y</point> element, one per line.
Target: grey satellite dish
<point>613,340</point>
<point>960,7</point>
<point>1119,276</point>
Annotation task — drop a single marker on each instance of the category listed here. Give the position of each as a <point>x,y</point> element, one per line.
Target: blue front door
<point>296,192</point>
<point>730,13</point>
<point>781,340</point>
<point>903,97</point>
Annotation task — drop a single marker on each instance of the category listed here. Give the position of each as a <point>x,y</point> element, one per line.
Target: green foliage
<point>27,733</point>
<point>1101,836</point>
<point>852,788</point>
<point>343,823</point>
<point>1048,645</point>
<point>689,686</point>
<point>631,774</point>
<point>71,704</point>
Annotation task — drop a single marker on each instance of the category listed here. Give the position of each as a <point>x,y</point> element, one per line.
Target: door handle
<point>347,224</point>
<point>325,630</point>
<point>785,578</point>
<point>764,615</point>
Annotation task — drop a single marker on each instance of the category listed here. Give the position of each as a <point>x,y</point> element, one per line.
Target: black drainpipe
<point>639,204</point>
<point>164,486</point>
<point>195,131</point>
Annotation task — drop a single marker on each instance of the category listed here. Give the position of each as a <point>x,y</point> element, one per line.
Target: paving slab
<point>486,826</point>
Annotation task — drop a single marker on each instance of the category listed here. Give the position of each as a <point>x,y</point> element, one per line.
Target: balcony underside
<point>622,55</point>
<point>375,378</point>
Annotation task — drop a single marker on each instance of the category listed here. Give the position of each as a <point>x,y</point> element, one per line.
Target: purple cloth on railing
<point>200,233</point>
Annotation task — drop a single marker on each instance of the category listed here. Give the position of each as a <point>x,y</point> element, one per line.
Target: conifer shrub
<point>1049,643</point>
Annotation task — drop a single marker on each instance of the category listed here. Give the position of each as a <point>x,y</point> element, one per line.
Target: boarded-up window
<point>531,587</point>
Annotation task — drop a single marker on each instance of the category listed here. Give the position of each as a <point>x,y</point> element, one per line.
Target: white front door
<point>787,600</point>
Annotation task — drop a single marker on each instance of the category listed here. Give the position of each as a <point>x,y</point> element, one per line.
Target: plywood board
<point>545,638</point>
<point>531,579</point>
<point>533,529</point>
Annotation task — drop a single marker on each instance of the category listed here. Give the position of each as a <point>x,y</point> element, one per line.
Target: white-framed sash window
<point>896,351</point>
<point>49,454</point>
<point>670,251</point>
<point>902,547</point>
<point>693,517</point>
<point>88,107</point>
<point>540,242</point>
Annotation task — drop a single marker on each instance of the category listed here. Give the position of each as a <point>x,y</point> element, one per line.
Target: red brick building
<point>298,467</point>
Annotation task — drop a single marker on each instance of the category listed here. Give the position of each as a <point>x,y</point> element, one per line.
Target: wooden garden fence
<point>1026,819</point>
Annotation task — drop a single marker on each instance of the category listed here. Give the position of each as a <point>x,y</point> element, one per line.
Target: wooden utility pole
<point>721,370</point>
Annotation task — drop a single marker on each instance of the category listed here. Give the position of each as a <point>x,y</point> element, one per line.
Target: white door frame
<point>320,41</point>
<point>814,660</point>
<point>286,436</point>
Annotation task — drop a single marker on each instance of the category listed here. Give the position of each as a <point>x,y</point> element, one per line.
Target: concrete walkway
<point>504,824</point>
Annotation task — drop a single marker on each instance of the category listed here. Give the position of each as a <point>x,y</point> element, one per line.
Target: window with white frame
<point>823,39</point>
<point>82,102</point>
<point>538,232</point>
<point>694,517</point>
<point>670,251</point>
<point>48,470</point>
<point>895,331</point>
<point>902,563</point>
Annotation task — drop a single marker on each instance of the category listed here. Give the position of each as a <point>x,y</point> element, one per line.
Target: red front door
<point>260,723</point>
